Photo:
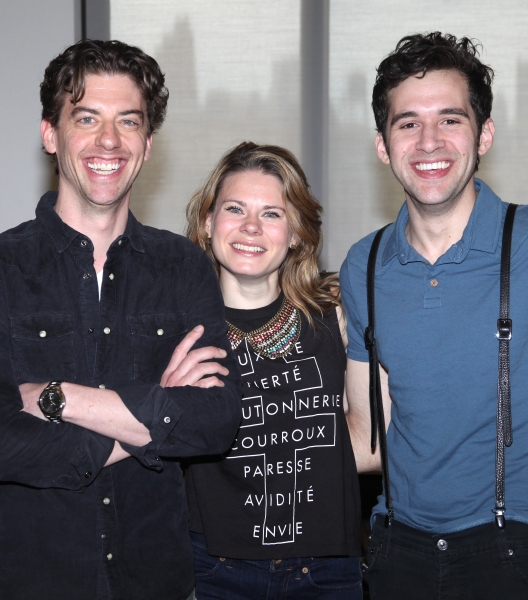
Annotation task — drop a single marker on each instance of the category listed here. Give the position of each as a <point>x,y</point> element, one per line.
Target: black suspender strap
<point>504,334</point>
<point>377,419</point>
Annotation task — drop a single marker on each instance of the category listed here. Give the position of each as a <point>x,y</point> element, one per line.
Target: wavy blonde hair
<point>299,276</point>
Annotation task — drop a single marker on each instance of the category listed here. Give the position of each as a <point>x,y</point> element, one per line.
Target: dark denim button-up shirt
<point>70,528</point>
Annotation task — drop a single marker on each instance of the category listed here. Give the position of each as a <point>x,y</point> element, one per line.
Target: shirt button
<point>111,277</point>
<point>106,330</point>
<point>160,332</point>
<point>106,501</point>
<point>102,386</point>
<point>120,242</point>
<point>84,243</point>
<point>88,474</point>
<point>103,536</point>
<point>109,556</point>
<point>86,275</point>
<point>167,420</point>
<point>434,282</point>
<point>42,333</point>
<point>441,545</point>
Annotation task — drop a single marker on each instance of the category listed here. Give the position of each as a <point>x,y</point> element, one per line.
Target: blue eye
<point>234,209</point>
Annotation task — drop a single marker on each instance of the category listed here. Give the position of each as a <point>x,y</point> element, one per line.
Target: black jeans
<point>480,563</point>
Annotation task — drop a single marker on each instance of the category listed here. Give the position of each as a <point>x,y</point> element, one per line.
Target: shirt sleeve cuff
<point>151,406</point>
<point>87,460</point>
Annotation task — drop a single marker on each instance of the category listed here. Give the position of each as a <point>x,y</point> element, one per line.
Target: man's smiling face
<point>100,143</point>
<point>432,144</point>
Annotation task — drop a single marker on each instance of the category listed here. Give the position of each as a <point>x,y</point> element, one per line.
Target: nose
<point>108,136</point>
<point>430,139</point>
<point>251,225</point>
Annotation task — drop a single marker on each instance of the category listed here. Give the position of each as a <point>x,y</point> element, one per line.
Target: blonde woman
<point>278,515</point>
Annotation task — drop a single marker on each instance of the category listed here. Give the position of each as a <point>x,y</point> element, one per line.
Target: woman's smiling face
<point>249,229</point>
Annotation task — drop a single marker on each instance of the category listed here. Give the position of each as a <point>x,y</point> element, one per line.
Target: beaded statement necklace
<point>276,338</point>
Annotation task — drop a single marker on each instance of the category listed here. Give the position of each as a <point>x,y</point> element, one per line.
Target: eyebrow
<point>92,111</point>
<point>408,114</point>
<point>242,203</point>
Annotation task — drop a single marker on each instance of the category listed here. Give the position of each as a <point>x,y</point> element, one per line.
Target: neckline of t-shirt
<point>251,315</point>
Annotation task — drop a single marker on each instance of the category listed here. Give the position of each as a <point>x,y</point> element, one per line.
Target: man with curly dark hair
<point>97,405</point>
<point>441,528</point>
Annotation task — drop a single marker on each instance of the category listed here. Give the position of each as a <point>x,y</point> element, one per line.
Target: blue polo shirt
<point>435,328</point>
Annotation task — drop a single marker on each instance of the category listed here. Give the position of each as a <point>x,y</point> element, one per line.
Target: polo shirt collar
<point>482,231</point>
<point>62,235</point>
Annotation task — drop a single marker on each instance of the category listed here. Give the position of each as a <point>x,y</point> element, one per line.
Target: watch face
<point>51,400</point>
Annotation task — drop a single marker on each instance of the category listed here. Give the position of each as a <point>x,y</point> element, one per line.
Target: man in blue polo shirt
<point>437,305</point>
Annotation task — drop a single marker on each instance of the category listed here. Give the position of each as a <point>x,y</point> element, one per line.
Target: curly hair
<point>416,55</point>
<point>66,75</point>
<point>299,276</point>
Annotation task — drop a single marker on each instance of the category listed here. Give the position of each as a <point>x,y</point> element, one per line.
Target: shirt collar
<point>63,235</point>
<point>482,231</point>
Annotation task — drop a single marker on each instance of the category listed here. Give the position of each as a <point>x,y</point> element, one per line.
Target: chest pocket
<point>154,339</point>
<point>43,347</point>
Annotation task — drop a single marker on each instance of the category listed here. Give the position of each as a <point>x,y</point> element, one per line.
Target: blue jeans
<point>480,563</point>
<point>219,578</point>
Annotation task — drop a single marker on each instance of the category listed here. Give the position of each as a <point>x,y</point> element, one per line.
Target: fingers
<point>209,382</point>
<point>194,366</point>
<point>181,351</point>
<point>196,374</point>
<point>183,348</point>
<point>188,367</point>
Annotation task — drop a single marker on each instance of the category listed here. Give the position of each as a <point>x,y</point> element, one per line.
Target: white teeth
<point>432,166</point>
<point>248,248</point>
<point>103,168</point>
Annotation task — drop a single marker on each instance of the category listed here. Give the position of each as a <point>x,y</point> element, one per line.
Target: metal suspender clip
<point>500,521</point>
<point>389,517</point>
<point>504,329</point>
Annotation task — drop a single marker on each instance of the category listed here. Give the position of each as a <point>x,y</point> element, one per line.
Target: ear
<point>47,132</point>
<point>294,241</point>
<point>381,149</point>
<point>208,222</point>
<point>486,137</point>
<point>148,146</point>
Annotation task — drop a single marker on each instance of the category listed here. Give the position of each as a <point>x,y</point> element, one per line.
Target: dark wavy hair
<point>66,73</point>
<point>416,55</point>
<point>299,277</point>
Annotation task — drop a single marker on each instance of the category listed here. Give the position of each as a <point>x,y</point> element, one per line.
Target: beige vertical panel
<point>363,194</point>
<point>233,70</point>
<point>31,34</point>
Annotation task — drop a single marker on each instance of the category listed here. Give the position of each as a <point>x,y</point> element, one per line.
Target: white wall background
<point>31,34</point>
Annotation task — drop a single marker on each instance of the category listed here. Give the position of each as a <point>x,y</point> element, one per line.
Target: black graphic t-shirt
<point>288,487</point>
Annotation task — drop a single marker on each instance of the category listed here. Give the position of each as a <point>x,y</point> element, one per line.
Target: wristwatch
<point>52,401</point>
